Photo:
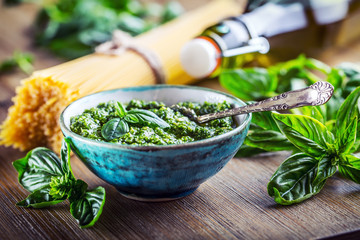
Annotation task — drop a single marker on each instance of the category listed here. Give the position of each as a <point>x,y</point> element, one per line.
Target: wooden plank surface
<point>234,204</point>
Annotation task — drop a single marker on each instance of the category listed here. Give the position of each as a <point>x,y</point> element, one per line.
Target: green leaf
<point>265,121</point>
<point>331,125</point>
<point>22,60</point>
<point>351,85</point>
<point>148,118</point>
<point>88,209</point>
<point>297,70</point>
<point>347,113</point>
<point>333,106</point>
<point>336,77</point>
<point>293,181</point>
<point>315,64</point>
<point>268,140</point>
<point>346,140</point>
<point>37,168</point>
<point>352,72</point>
<point>326,168</point>
<point>61,186</point>
<point>131,118</point>
<point>306,133</point>
<point>78,190</point>
<point>65,158</point>
<point>120,110</point>
<point>114,128</point>
<point>350,69</point>
<point>349,167</point>
<point>317,112</point>
<point>39,199</point>
<point>248,84</point>
<point>171,10</point>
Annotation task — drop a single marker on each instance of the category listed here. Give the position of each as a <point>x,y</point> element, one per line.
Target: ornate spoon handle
<point>316,94</point>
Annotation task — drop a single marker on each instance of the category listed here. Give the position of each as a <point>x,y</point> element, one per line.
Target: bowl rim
<point>206,141</point>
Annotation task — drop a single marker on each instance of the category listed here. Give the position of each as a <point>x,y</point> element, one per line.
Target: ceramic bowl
<point>156,173</point>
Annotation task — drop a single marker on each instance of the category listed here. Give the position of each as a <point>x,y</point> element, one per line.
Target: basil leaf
<point>65,158</point>
<point>317,112</point>
<point>39,198</point>
<point>349,167</point>
<point>248,84</point>
<point>171,10</point>
<point>268,140</point>
<point>37,168</point>
<point>78,190</point>
<point>61,186</point>
<point>346,141</point>
<point>326,168</point>
<point>333,105</point>
<point>315,64</point>
<point>264,120</point>
<point>331,125</point>
<point>88,209</point>
<point>347,112</point>
<point>114,128</point>
<point>149,118</point>
<point>293,180</point>
<point>297,69</point>
<point>131,118</point>
<point>336,77</point>
<point>350,69</point>
<point>352,72</point>
<point>120,110</point>
<point>306,133</point>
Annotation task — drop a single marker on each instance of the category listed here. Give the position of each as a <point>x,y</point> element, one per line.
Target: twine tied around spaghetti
<point>122,41</point>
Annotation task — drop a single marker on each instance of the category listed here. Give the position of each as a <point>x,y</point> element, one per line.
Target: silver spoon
<point>316,94</point>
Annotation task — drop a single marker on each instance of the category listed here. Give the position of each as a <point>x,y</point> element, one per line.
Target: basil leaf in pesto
<point>114,128</point>
<point>148,118</point>
<point>120,110</point>
<point>131,118</point>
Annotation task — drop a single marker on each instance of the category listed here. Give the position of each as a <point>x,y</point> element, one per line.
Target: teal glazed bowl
<point>156,173</point>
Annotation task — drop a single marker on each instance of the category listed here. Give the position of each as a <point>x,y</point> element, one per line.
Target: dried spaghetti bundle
<point>33,119</point>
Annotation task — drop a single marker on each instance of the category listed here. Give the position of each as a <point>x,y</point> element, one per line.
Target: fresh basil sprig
<point>50,181</point>
<point>119,125</point>
<point>260,83</point>
<point>304,174</point>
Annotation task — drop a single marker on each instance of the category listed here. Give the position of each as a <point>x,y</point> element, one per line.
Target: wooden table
<point>234,204</point>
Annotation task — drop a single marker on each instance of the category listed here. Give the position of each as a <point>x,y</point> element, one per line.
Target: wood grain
<point>234,204</point>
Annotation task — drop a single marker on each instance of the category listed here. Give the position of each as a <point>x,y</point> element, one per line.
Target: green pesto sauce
<point>182,130</point>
